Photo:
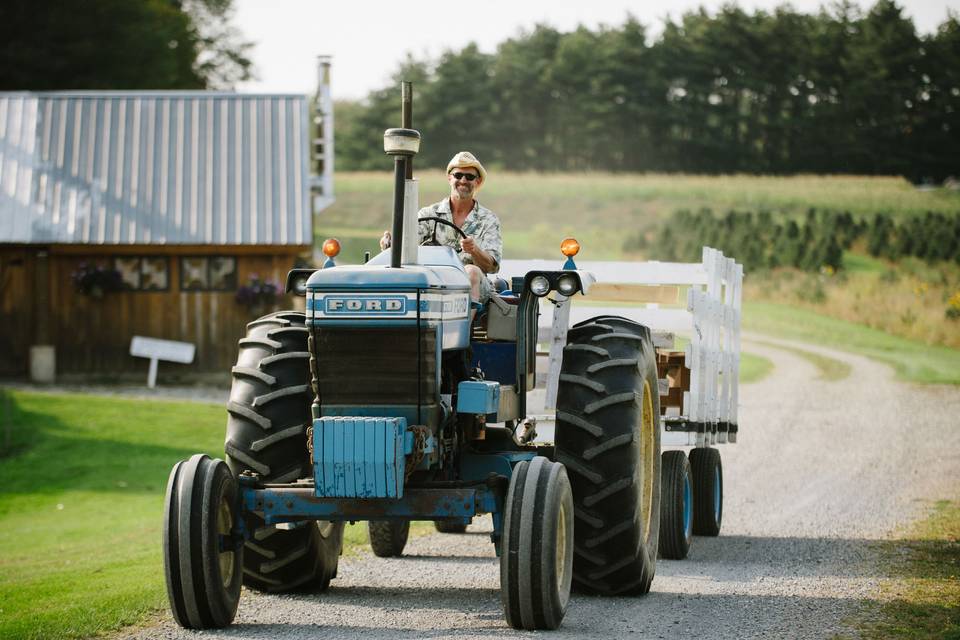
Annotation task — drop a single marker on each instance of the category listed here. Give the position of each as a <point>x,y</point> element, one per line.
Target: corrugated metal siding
<point>154,168</point>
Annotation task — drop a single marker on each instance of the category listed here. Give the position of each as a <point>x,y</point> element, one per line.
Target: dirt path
<point>822,469</point>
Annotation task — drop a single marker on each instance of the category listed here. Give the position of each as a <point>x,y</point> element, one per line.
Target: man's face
<point>466,184</point>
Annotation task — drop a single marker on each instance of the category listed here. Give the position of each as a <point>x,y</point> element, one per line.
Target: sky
<point>369,38</point>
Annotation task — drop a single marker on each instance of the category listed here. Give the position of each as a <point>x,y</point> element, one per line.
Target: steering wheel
<point>432,240</point>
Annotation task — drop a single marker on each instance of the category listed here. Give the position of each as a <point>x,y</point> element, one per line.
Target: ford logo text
<point>385,305</point>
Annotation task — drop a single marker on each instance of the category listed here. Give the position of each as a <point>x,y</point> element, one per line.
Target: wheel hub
<point>224,528</point>
<point>647,453</point>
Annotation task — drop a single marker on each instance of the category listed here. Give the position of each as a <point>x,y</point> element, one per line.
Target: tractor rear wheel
<point>388,538</point>
<point>269,411</point>
<point>707,491</point>
<point>536,553</point>
<point>608,437</point>
<point>676,506</point>
<point>202,554</point>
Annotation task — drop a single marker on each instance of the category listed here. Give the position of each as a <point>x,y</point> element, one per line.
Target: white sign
<point>156,349</point>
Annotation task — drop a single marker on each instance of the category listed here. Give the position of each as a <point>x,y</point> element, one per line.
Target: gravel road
<point>821,471</point>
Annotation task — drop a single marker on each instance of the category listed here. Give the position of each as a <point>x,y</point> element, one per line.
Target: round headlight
<point>300,285</point>
<point>567,284</point>
<point>540,286</point>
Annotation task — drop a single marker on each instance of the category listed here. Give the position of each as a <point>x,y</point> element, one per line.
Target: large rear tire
<point>269,411</point>
<point>388,538</point>
<point>707,473</point>
<point>201,553</point>
<point>536,554</point>
<point>608,437</point>
<point>676,506</point>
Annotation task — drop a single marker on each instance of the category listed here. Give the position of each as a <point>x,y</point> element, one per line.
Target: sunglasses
<point>469,176</point>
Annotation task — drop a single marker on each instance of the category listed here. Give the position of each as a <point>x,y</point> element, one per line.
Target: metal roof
<point>154,168</point>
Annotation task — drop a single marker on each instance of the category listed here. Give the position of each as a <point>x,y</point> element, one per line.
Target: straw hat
<point>465,159</point>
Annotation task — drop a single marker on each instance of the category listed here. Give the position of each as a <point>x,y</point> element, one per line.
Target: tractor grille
<point>376,366</point>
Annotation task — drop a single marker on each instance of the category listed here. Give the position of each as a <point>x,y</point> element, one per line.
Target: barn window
<point>208,273</point>
<point>143,273</point>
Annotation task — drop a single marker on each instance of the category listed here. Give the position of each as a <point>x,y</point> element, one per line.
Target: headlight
<point>567,285</point>
<point>299,285</point>
<point>540,286</point>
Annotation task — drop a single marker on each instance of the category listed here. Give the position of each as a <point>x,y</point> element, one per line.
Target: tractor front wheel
<point>536,554</point>
<point>202,551</point>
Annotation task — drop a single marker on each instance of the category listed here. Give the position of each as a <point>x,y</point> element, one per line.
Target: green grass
<point>855,262</point>
<point>829,369</point>
<point>602,210</point>
<point>81,507</point>
<point>922,596</point>
<point>753,367</point>
<point>913,361</point>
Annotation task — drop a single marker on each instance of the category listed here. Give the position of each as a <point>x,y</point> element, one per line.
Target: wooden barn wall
<point>16,309</point>
<point>93,334</point>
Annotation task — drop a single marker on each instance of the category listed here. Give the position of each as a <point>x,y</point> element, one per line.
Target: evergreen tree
<point>119,44</point>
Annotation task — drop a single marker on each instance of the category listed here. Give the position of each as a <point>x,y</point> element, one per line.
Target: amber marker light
<point>569,247</point>
<point>331,247</point>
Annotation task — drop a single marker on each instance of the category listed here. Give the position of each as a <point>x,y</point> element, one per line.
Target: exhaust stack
<point>404,143</point>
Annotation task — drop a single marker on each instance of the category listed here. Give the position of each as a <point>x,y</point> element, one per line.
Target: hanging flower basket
<point>259,295</point>
<point>95,280</point>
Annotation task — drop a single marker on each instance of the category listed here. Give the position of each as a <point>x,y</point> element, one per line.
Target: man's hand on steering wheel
<point>432,240</point>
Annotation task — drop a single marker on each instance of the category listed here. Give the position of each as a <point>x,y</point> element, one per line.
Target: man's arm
<point>488,244</point>
<point>481,258</point>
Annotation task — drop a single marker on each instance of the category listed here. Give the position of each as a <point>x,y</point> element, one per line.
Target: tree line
<point>840,91</point>
<point>760,240</point>
<point>49,45</point>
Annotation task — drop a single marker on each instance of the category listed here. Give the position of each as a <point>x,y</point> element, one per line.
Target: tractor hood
<point>437,268</point>
<point>432,297</point>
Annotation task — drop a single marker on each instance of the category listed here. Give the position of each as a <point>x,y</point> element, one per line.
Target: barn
<point>166,215</point>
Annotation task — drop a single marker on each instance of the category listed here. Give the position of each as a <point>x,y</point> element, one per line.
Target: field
<point>601,209</point>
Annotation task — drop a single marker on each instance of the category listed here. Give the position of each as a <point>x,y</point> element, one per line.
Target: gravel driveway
<point>821,470</point>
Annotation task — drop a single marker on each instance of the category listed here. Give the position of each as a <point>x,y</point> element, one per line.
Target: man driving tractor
<point>481,249</point>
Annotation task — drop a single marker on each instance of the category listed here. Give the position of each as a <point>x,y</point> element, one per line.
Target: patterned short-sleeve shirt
<point>481,223</point>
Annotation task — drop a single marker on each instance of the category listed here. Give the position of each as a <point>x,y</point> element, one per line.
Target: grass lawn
<point>913,361</point>
<point>754,367</point>
<point>81,506</point>
<point>922,594</point>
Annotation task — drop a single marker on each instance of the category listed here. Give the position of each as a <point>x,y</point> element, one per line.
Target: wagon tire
<point>202,556</point>
<point>608,437</point>
<point>707,470</point>
<point>536,559</point>
<point>388,538</point>
<point>676,506</point>
<point>268,415</point>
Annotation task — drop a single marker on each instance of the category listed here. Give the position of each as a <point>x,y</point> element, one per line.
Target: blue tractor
<point>391,399</point>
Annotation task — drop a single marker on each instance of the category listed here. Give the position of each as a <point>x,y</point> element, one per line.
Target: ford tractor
<point>394,397</point>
